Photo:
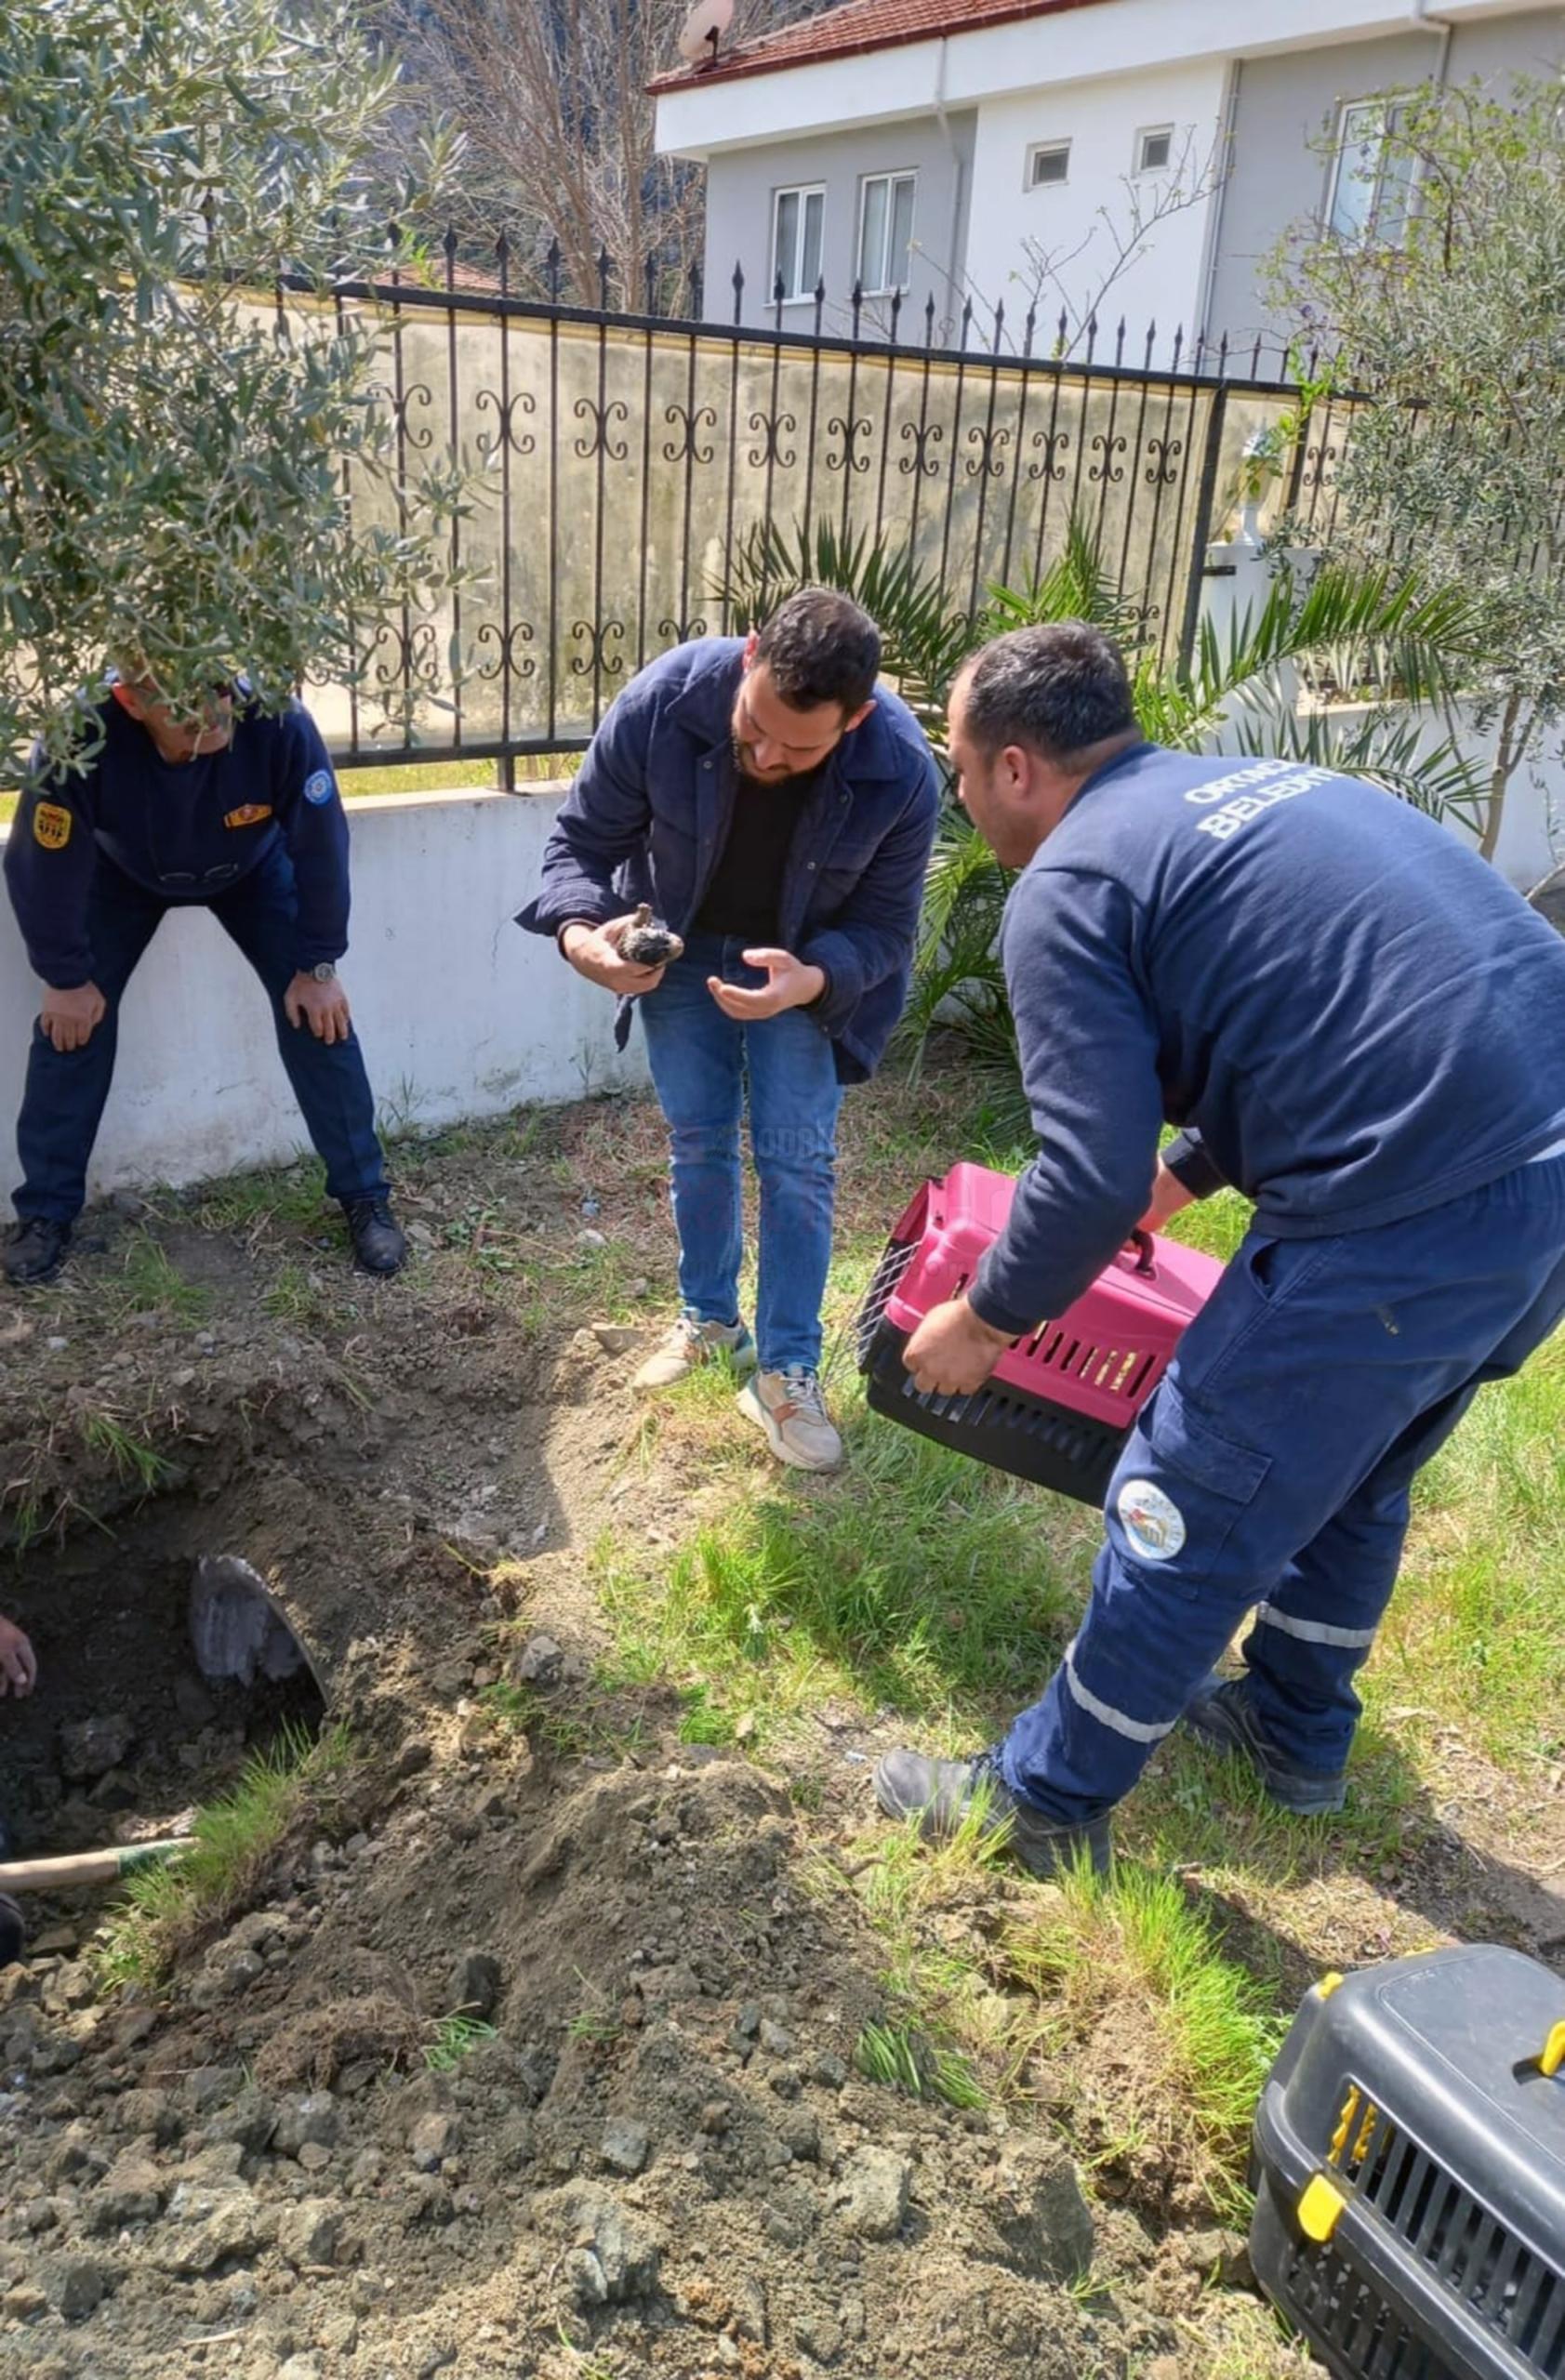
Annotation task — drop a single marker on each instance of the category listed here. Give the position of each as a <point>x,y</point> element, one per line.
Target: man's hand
<point>790,985</point>
<point>322,1006</point>
<point>1169,1195</point>
<point>952,1352</point>
<point>69,1017</point>
<point>18,1663</point>
<point>593,951</point>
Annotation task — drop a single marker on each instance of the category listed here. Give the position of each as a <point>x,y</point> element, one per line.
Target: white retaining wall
<point>461,1013</point>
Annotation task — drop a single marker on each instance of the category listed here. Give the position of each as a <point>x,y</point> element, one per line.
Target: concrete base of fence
<point>461,1013</point>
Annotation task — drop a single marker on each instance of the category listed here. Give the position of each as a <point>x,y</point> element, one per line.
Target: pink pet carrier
<point>1059,1403</point>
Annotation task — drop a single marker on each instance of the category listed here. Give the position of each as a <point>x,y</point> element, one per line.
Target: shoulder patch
<point>249,814</point>
<point>319,789</point>
<point>52,825</point>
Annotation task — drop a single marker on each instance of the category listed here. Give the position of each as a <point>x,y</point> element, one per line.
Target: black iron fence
<point>623,460</point>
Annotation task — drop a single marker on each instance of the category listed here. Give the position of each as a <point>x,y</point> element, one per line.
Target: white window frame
<point>884,286</point>
<point>1153,132</point>
<point>1043,148</point>
<point>803,192</point>
<point>1387,105</point>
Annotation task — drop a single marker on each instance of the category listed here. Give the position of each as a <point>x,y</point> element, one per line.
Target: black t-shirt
<point>745,884</point>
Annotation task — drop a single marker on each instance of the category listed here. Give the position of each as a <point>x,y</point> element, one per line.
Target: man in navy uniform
<point>1363,1028</point>
<point>775,807</point>
<point>228,809</point>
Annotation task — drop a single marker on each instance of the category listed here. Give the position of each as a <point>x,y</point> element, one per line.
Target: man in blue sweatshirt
<point>229,811</point>
<point>775,807</point>
<point>1363,1028</point>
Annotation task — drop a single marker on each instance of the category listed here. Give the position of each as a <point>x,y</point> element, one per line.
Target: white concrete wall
<point>461,1013</point>
<point>1076,222</point>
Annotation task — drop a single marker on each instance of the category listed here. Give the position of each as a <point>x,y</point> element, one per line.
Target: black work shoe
<point>1220,1716</point>
<point>943,1794</point>
<point>13,1933</point>
<point>380,1245</point>
<point>34,1250</point>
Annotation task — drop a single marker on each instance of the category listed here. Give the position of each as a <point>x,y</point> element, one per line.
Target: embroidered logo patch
<point>319,787</point>
<point>249,814</point>
<point>52,825</point>
<point>1152,1521</point>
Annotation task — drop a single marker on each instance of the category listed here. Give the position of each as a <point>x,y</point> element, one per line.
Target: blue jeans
<point>1271,1474</point>
<point>700,1060</point>
<point>63,1103</point>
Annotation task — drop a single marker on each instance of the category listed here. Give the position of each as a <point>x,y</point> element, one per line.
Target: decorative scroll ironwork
<point>619,461</point>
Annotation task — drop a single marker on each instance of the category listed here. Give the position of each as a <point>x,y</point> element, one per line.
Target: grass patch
<point>131,1457</point>
<point>286,1197</point>
<point>906,2059</point>
<point>916,1580</point>
<point>153,1283</point>
<point>1168,2042</point>
<point>1477,1632</point>
<point>455,2037</point>
<point>234,1841</point>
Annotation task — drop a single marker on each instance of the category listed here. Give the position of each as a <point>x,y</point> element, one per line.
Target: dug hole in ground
<point>518,2034</point>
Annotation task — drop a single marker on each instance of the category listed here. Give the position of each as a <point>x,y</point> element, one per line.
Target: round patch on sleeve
<point>1151,1520</point>
<point>52,825</point>
<point>319,789</point>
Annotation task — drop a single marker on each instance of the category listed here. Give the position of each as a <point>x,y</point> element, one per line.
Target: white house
<point>949,151</point>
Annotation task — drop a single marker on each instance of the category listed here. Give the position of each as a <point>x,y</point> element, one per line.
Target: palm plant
<point>1239,691</point>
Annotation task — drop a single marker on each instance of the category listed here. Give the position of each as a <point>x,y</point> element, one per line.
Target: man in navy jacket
<point>230,810</point>
<point>1363,1028</point>
<point>776,808</point>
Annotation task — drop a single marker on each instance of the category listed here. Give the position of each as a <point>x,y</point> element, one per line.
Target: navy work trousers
<point>1270,1475</point>
<point>63,1103</point>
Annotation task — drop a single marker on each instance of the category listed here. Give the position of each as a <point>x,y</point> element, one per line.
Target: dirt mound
<point>661,2155</point>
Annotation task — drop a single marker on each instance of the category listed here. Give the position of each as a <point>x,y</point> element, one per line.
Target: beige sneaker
<point>788,1406</point>
<point>691,1343</point>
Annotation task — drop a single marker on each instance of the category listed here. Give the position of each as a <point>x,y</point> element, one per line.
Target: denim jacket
<point>648,817</point>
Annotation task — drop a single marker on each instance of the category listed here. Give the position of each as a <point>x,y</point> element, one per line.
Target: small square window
<point>1154,149</point>
<point>1048,165</point>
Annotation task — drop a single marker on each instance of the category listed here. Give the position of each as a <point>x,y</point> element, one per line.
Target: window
<point>1048,165</point>
<point>885,233</point>
<point>797,218</point>
<point>1154,149</point>
<point>1371,190</point>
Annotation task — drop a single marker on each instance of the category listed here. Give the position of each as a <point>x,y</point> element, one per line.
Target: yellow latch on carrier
<point>1552,2057</point>
<point>1320,2209</point>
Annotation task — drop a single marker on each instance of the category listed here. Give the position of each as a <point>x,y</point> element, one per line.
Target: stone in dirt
<point>611,2261</point>
<point>311,2232</point>
<point>539,1663</point>
<point>475,1986</point>
<point>75,2286</point>
<point>873,2193</point>
<point>207,2227</point>
<point>626,2145</point>
<point>614,1337</point>
<point>94,1746</point>
<point>1037,2220</point>
<point>316,2117</point>
<point>434,2140</point>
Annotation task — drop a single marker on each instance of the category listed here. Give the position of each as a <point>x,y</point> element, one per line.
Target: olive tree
<point>1441,291</point>
<point>193,474</point>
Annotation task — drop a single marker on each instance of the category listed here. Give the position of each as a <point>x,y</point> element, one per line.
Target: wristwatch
<point>324,973</point>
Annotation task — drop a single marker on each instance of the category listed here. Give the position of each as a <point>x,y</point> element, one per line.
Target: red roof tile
<point>861,25</point>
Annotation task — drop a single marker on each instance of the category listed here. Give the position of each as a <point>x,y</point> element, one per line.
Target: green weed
<point>131,1457</point>
<point>232,1843</point>
<point>454,2038</point>
<point>906,2059</point>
